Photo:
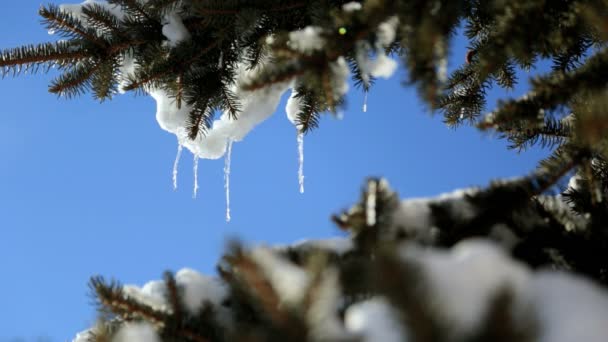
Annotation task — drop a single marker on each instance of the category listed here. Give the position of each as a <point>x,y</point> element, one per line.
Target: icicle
<point>301,161</point>
<point>195,171</point>
<point>175,165</point>
<point>221,61</point>
<point>227,160</point>
<point>365,103</point>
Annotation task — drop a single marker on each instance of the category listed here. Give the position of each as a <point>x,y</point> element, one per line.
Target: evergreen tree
<point>202,57</point>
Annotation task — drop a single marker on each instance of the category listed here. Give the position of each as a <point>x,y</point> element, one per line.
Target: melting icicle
<point>301,161</point>
<point>227,160</point>
<point>365,103</point>
<point>175,165</point>
<point>195,171</point>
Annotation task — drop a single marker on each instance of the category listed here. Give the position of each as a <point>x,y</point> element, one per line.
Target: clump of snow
<point>374,320</point>
<point>197,289</point>
<point>288,280</point>
<point>151,294</point>
<point>84,336</point>
<point>292,108</point>
<point>351,6</point>
<point>575,181</point>
<point>322,318</point>
<point>307,40</point>
<point>569,308</point>
<point>174,29</point>
<point>383,66</point>
<point>136,332</point>
<point>339,245</point>
<point>464,279</point>
<point>341,72</point>
<point>256,106</point>
<point>414,216</point>
<point>387,31</point>
<point>169,117</point>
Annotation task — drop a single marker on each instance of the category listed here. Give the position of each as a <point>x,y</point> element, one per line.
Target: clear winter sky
<point>85,188</point>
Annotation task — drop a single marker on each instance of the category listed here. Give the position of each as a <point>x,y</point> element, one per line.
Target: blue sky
<point>85,188</point>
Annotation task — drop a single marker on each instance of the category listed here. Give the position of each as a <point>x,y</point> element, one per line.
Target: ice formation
<point>195,172</point>
<point>227,163</point>
<point>178,156</point>
<point>301,161</point>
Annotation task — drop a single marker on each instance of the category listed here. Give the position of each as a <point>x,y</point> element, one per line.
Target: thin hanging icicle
<point>195,171</point>
<point>227,161</point>
<point>365,103</point>
<point>301,161</point>
<point>180,148</point>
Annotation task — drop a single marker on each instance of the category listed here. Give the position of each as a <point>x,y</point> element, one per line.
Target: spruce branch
<point>248,273</point>
<point>112,297</point>
<point>30,57</point>
<point>135,9</point>
<point>174,297</point>
<point>66,24</point>
<point>234,11</point>
<point>230,102</point>
<point>172,65</point>
<point>75,81</point>
<point>164,6</point>
<point>99,17</point>
<point>549,92</point>
<point>308,113</point>
<point>552,133</point>
<point>179,94</point>
<point>200,118</point>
